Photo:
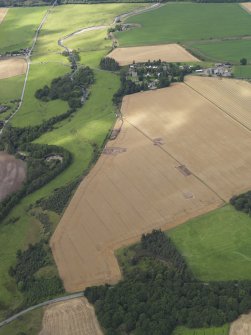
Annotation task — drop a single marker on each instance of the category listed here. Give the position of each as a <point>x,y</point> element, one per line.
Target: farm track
<point>28,59</point>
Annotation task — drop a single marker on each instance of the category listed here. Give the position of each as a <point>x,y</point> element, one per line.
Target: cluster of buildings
<point>218,70</point>
<point>21,52</point>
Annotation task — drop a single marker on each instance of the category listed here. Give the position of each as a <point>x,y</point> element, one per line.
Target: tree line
<point>242,202</point>
<point>159,293</point>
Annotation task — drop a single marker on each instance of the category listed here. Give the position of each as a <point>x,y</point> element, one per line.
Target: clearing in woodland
<point>75,317</point>
<point>3,12</point>
<point>166,53</point>
<point>189,157</point>
<point>11,67</point>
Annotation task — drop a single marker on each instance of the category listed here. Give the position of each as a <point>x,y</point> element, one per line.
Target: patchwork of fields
<point>181,152</point>
<point>179,170</point>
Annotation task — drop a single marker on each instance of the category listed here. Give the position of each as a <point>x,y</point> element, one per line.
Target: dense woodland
<point>242,202</point>
<point>159,292</point>
<point>109,64</point>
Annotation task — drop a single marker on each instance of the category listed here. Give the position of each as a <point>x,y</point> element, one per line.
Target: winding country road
<point>46,303</point>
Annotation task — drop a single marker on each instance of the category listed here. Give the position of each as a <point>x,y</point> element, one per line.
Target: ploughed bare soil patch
<point>242,326</point>
<point>11,67</point>
<point>12,174</point>
<point>165,52</point>
<point>73,317</point>
<point>3,12</point>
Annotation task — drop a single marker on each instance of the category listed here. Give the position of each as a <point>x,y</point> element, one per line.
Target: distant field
<point>12,67</point>
<point>75,316</point>
<point>11,88</point>
<point>164,52</point>
<point>19,27</point>
<point>224,330</point>
<point>82,16</point>
<point>216,245</point>
<point>187,22</point>
<point>231,51</point>
<point>243,72</point>
<point>34,111</point>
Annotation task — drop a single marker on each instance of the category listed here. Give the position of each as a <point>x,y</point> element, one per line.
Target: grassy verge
<point>224,330</point>
<point>216,245</point>
<point>30,324</point>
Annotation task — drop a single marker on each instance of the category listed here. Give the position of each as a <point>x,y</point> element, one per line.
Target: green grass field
<point>224,330</point>
<point>34,111</point>
<point>81,16</point>
<point>182,22</point>
<point>10,89</point>
<point>216,245</point>
<point>19,27</point>
<point>242,72</point>
<point>231,51</point>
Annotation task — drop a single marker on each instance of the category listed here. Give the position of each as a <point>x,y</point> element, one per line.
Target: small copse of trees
<point>109,64</point>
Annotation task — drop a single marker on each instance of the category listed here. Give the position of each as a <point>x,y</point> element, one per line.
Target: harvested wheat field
<point>177,155</point>
<point>3,12</point>
<point>246,6</point>
<point>72,317</point>
<point>11,67</point>
<point>242,326</point>
<point>12,174</point>
<point>166,52</point>
<point>231,95</point>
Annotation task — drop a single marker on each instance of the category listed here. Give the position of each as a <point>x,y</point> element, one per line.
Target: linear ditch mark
<point>220,108</point>
<point>177,161</point>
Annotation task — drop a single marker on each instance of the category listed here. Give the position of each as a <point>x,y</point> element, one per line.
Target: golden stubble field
<point>177,156</point>
<point>246,6</point>
<point>3,12</point>
<point>242,326</point>
<point>10,67</point>
<point>72,317</point>
<point>165,52</point>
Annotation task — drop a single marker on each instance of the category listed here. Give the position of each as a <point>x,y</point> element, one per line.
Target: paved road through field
<point>46,303</point>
